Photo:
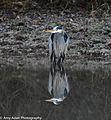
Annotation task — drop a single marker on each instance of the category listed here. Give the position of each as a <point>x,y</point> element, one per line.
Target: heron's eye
<point>49,28</point>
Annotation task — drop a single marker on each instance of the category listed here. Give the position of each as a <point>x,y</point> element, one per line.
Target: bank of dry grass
<point>86,4</point>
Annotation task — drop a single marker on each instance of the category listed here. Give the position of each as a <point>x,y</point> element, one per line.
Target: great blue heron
<point>58,44</point>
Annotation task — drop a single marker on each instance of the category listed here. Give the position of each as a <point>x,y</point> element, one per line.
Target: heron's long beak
<point>51,31</point>
<point>54,31</point>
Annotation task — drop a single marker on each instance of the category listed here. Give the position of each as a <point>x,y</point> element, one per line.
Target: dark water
<point>85,92</point>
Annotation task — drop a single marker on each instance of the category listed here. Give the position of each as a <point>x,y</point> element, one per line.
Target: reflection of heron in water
<point>58,86</point>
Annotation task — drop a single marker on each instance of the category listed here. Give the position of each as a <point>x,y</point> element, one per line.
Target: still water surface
<point>84,93</point>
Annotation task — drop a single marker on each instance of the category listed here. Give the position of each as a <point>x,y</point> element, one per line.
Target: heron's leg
<point>62,57</point>
<point>60,60</point>
<point>53,58</point>
<point>60,66</point>
<point>59,63</point>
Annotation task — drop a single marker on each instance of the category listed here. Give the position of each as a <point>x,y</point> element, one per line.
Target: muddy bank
<point>23,40</point>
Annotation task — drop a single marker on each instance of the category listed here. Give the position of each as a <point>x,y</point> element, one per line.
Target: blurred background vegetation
<point>69,4</point>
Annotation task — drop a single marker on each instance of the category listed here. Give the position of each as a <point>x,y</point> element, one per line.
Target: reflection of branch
<point>3,107</point>
<point>15,94</point>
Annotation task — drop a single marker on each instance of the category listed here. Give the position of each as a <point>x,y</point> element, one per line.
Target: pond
<point>84,92</point>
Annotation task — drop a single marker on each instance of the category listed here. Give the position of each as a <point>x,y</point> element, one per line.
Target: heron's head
<point>56,29</point>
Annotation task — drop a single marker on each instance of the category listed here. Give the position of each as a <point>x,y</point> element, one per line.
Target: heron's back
<point>59,44</point>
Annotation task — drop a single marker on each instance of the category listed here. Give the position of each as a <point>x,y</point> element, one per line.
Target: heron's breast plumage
<point>58,43</point>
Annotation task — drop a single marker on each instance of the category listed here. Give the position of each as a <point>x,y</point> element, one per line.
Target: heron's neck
<point>60,33</point>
